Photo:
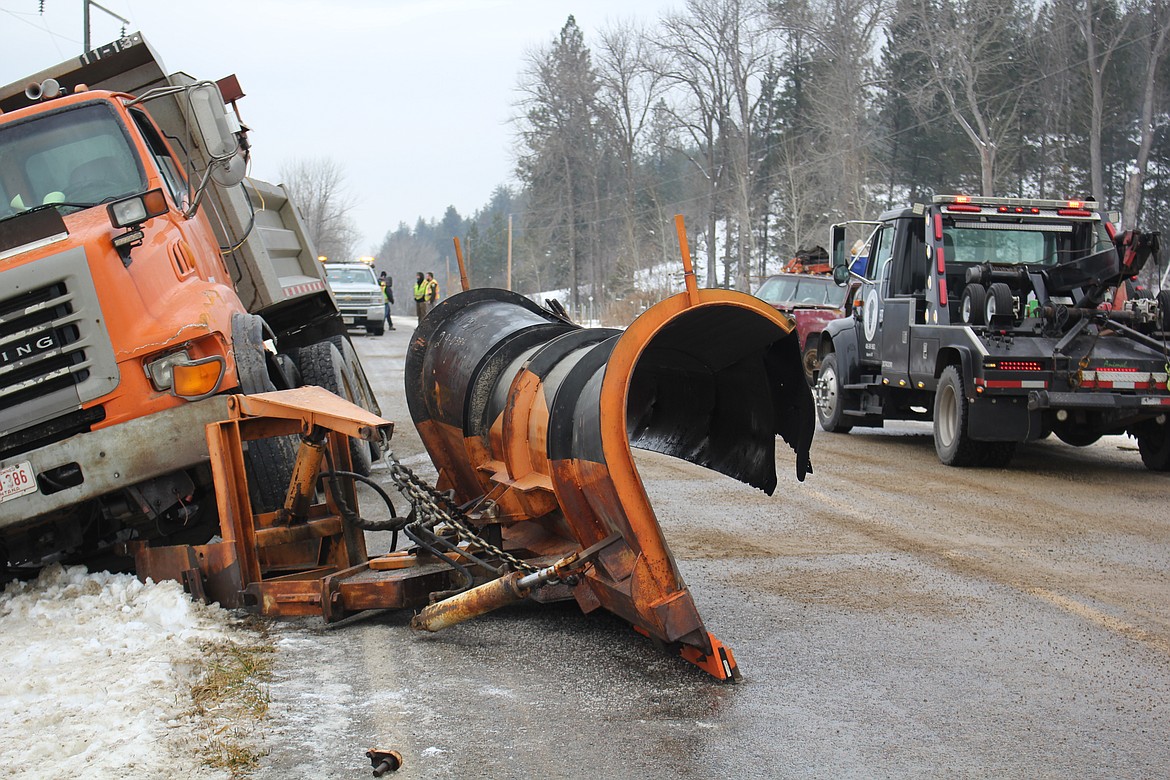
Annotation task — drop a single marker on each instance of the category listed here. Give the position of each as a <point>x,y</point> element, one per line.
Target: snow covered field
<point>97,673</point>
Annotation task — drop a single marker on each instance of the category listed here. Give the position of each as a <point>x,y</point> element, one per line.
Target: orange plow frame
<point>530,420</point>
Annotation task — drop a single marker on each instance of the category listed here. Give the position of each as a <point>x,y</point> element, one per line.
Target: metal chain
<point>434,508</point>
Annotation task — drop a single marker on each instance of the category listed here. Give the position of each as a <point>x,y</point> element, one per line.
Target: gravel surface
<point>892,618</point>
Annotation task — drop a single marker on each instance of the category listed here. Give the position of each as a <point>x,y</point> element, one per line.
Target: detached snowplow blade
<point>533,416</point>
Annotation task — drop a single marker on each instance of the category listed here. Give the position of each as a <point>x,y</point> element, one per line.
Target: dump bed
<point>274,266</point>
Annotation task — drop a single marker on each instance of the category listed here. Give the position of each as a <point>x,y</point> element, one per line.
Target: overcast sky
<point>412,97</point>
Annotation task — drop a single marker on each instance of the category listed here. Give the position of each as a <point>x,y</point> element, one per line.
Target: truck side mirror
<point>840,274</point>
<point>217,127</point>
<point>839,251</point>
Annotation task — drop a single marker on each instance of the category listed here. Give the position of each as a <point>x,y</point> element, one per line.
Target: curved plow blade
<point>536,415</point>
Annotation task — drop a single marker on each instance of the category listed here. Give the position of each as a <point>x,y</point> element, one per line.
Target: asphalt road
<point>892,617</point>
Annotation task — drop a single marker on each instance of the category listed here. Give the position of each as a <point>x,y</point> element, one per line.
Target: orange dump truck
<point>144,279</point>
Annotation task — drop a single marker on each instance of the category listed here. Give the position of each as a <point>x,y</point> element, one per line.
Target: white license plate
<point>17,481</point>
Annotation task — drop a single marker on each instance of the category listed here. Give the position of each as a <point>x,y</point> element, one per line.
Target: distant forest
<point>765,122</point>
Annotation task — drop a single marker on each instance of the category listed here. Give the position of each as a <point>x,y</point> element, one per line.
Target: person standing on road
<point>387,285</point>
<point>420,296</point>
<point>432,290</point>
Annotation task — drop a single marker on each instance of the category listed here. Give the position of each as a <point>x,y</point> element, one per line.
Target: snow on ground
<point>96,676</point>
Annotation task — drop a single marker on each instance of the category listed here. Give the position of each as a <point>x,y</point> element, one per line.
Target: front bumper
<point>117,457</point>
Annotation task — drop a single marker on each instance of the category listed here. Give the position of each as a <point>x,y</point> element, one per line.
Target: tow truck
<point>1001,320</point>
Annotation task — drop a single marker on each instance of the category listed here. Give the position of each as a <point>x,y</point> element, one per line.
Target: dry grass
<point>230,699</point>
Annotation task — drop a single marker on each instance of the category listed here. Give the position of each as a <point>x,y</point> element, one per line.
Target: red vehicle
<point>810,299</point>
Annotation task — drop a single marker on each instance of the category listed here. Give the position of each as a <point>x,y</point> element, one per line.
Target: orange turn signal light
<point>197,378</point>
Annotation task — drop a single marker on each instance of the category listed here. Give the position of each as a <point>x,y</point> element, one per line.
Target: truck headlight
<point>136,209</point>
<point>185,377</point>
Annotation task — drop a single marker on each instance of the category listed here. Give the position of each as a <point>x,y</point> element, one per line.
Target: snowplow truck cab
<point>143,279</point>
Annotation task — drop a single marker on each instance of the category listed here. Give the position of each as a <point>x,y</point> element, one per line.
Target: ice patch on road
<point>97,673</point>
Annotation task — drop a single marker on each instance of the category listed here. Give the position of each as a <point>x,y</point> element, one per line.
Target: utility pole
<point>509,285</point>
<point>85,22</point>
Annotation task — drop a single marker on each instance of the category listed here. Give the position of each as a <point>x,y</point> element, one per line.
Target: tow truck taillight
<point>1074,212</point>
<point>1018,210</point>
<point>964,208</point>
<point>1016,365</point>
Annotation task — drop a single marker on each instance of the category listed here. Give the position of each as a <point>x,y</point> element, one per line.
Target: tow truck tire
<point>1164,311</point>
<point>375,328</point>
<point>829,395</point>
<point>951,418</point>
<point>1154,446</point>
<point>322,365</point>
<point>974,301</point>
<point>999,300</point>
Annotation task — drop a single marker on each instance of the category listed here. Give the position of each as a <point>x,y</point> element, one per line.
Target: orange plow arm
<point>531,418</point>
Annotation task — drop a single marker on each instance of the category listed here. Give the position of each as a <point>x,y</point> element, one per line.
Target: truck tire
<point>351,367</point>
<point>973,305</point>
<point>268,463</point>
<point>951,417</point>
<point>375,328</point>
<point>322,365</point>
<point>1154,446</point>
<point>830,396</point>
<point>999,301</point>
<point>810,361</point>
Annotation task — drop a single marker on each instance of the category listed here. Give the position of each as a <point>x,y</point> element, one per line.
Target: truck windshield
<point>350,276</point>
<point>1014,243</point>
<point>80,156</point>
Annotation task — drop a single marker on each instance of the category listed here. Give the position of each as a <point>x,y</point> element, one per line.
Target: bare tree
<point>972,47</point>
<point>630,83</point>
<point>1101,44</point>
<point>1157,16</point>
<point>693,43</point>
<point>317,187</point>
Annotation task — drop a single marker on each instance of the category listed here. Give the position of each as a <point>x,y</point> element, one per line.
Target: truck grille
<point>38,345</point>
<point>55,354</point>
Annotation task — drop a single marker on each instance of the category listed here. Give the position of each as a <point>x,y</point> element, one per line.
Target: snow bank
<point>95,675</point>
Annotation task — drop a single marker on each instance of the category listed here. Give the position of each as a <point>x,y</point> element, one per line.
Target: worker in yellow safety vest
<point>432,290</point>
<point>420,296</point>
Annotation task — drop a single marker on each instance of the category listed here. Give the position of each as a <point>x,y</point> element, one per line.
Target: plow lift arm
<point>529,420</point>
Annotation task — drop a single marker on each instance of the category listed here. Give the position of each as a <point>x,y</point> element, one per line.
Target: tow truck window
<point>79,155</point>
<point>881,255</point>
<point>1004,243</point>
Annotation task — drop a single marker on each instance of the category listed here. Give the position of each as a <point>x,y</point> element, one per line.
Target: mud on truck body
<point>143,280</point>
<point>1002,320</point>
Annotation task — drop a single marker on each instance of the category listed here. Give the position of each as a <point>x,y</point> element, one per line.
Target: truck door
<point>903,287</point>
<point>869,320</point>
